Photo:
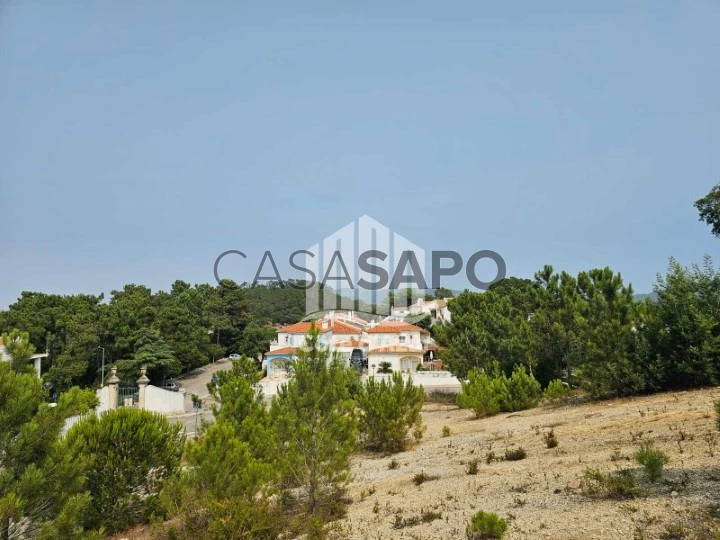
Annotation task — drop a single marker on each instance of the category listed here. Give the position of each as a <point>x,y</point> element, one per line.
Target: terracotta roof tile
<point>302,327</point>
<point>297,328</point>
<point>342,328</point>
<point>395,327</point>
<point>284,350</point>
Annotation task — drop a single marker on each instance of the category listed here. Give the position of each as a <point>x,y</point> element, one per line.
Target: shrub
<point>385,367</point>
<point>393,464</point>
<point>515,454</point>
<point>427,516</point>
<point>550,439</point>
<point>422,477</point>
<point>486,525</point>
<point>523,391</point>
<point>490,394</point>
<point>472,467</point>
<point>652,459</point>
<point>716,404</point>
<point>445,431</point>
<point>126,456</point>
<point>620,485</point>
<point>556,391</point>
<point>482,393</point>
<point>389,409</point>
<point>401,522</point>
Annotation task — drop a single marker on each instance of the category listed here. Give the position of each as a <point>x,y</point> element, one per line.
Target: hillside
<point>541,495</point>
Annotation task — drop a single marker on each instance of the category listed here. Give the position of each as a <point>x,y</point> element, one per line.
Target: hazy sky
<point>138,140</point>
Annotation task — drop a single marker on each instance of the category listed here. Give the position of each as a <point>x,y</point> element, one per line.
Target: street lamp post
<point>102,369</point>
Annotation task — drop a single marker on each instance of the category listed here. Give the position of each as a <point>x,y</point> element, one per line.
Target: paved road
<point>195,382</point>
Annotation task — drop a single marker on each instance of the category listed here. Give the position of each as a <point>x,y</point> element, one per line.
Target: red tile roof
<point>303,327</point>
<point>396,349</point>
<point>284,350</point>
<point>341,328</point>
<point>395,327</point>
<point>297,328</point>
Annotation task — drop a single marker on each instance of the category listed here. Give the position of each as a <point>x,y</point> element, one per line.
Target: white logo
<point>361,263</point>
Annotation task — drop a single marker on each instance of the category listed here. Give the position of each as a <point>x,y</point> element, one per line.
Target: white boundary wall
<point>164,401</point>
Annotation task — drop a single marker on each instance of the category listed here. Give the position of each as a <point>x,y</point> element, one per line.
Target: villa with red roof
<point>398,343</point>
<point>364,345</point>
<point>340,335</point>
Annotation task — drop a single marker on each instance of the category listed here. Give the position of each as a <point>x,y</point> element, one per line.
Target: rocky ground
<point>540,495</point>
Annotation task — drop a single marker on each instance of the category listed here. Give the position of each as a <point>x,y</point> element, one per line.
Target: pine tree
<point>39,481</point>
<point>389,410</point>
<point>316,427</point>
<point>126,455</point>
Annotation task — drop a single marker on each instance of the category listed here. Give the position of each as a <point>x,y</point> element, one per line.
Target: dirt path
<point>539,494</point>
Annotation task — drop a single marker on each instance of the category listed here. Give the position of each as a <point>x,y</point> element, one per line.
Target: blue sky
<point>138,140</point>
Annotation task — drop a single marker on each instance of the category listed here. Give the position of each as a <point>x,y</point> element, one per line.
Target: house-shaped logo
<point>359,265</point>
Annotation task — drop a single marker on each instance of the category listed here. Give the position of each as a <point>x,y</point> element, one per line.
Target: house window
<point>402,339</point>
<point>287,339</point>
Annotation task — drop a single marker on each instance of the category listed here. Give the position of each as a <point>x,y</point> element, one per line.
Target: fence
<point>128,396</point>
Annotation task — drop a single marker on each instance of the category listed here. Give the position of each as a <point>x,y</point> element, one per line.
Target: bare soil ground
<point>540,495</point>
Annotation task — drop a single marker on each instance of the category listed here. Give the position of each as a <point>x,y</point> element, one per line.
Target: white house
<point>341,336</point>
<point>437,310</point>
<point>36,358</point>
<point>398,343</point>
<point>404,346</point>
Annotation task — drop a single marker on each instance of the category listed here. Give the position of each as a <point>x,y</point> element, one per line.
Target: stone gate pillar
<point>112,385</point>
<point>142,383</point>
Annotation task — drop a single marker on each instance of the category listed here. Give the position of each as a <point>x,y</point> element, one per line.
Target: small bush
<point>385,367</point>
<point>620,485</point>
<point>490,457</point>
<point>422,477</point>
<point>556,391</point>
<point>486,525</point>
<point>652,459</point>
<point>482,393</point>
<point>490,394</point>
<point>523,391</point>
<point>445,431</point>
<point>426,516</point>
<point>716,404</point>
<point>550,439</point>
<point>472,467</point>
<point>401,522</point>
<point>515,454</point>
<point>394,464</point>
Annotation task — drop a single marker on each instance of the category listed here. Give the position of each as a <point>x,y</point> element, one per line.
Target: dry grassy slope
<point>527,491</point>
